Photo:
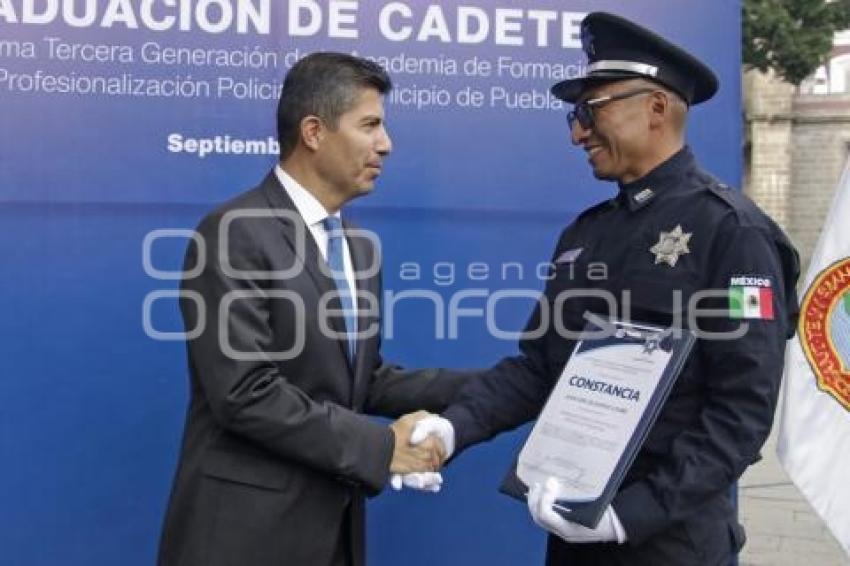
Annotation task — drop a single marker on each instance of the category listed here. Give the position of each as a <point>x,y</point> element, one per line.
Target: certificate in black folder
<point>599,413</point>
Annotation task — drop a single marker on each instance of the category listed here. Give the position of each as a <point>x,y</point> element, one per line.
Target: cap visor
<point>570,89</point>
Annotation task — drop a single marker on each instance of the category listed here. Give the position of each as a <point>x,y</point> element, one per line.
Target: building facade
<point>797,140</point>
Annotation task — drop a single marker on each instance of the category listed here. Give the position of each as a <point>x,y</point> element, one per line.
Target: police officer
<point>672,228</point>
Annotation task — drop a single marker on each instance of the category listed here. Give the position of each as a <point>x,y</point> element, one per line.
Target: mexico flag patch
<point>750,297</point>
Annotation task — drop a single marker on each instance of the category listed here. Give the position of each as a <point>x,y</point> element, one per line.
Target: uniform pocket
<point>656,299</point>
<point>659,293</point>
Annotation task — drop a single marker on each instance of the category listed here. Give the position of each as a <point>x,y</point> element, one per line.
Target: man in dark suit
<point>280,302</point>
<point>672,232</point>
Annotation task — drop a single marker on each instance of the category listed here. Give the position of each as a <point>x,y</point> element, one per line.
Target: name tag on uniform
<point>569,256</point>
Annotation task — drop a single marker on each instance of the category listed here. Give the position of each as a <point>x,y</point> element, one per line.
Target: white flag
<point>814,432</point>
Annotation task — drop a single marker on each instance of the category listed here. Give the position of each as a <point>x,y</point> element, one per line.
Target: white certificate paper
<point>593,413</point>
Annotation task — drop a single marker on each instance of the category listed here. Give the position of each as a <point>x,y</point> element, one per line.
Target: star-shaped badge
<point>650,345</point>
<point>671,245</point>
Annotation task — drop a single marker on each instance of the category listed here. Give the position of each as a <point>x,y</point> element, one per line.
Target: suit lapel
<point>308,253</point>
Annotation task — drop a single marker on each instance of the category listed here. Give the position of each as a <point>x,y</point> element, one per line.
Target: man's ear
<point>659,106</point>
<point>312,131</point>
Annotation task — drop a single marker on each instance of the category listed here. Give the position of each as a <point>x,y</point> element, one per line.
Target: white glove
<point>422,481</point>
<point>439,427</point>
<point>540,501</point>
<point>427,481</point>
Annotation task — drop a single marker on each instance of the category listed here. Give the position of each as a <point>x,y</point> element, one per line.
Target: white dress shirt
<point>313,213</point>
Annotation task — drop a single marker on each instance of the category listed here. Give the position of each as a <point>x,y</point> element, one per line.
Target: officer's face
<point>617,142</point>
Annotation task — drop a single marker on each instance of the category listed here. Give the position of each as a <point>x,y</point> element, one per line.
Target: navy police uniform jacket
<point>673,233</point>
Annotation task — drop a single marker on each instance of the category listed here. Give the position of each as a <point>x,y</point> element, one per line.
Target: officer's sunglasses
<point>583,111</point>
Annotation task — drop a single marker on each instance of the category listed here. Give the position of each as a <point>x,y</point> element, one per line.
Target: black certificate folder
<point>596,419</point>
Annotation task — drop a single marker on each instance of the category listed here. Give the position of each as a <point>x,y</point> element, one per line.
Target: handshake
<point>423,443</point>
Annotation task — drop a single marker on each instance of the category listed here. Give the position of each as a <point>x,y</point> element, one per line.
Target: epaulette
<point>724,192</point>
<point>603,206</point>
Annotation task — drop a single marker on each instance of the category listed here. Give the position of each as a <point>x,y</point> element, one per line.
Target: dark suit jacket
<point>277,455</point>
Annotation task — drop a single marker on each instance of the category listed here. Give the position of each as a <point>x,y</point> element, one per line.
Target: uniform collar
<point>639,193</point>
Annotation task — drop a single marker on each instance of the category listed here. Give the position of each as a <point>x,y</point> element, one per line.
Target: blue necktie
<point>333,228</point>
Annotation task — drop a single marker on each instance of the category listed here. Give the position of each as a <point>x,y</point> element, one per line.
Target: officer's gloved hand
<point>427,481</point>
<point>420,481</point>
<point>540,501</point>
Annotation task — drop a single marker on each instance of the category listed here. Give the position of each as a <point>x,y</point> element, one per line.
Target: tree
<point>792,37</point>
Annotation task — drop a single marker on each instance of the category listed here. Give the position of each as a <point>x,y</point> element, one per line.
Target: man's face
<point>351,156</point>
<point>617,143</point>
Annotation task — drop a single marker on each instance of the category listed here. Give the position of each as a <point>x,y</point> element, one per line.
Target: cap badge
<point>671,245</point>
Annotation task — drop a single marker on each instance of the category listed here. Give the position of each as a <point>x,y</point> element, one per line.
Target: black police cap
<point>618,49</point>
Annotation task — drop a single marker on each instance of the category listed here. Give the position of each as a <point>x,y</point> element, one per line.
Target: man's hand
<point>426,456</point>
<point>429,428</point>
<point>433,426</point>
<point>419,481</point>
<point>540,501</point>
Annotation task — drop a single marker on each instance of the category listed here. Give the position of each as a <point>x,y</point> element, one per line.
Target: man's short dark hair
<point>324,85</point>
